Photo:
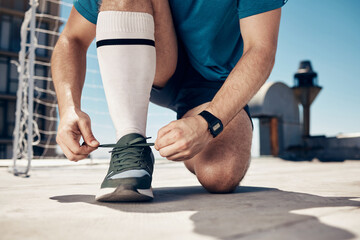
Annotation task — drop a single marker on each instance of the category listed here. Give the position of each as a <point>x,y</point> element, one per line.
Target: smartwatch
<point>215,125</point>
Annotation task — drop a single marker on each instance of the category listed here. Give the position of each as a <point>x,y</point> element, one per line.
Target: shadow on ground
<point>250,212</point>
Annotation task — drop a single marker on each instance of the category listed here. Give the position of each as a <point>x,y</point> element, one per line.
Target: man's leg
<point>126,51</point>
<point>223,163</point>
<point>127,61</point>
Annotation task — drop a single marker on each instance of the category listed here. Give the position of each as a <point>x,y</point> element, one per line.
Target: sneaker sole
<point>124,193</point>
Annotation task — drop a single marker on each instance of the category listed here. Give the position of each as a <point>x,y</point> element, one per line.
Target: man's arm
<point>184,138</point>
<point>260,35</point>
<point>68,65</point>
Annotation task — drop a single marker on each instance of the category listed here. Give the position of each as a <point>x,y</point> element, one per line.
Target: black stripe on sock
<point>125,41</point>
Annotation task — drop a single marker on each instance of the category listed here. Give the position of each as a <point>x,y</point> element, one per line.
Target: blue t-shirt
<point>209,29</point>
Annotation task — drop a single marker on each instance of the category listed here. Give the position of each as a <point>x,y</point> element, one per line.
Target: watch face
<point>216,127</point>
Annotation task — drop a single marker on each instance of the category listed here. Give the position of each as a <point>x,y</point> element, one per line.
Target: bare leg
<point>127,5</point>
<point>223,163</point>
<point>165,42</point>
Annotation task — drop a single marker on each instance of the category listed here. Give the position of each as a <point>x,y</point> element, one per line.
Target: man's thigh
<point>165,42</point>
<point>223,163</point>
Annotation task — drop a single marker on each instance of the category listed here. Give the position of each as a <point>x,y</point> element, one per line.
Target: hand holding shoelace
<point>75,124</point>
<point>182,139</point>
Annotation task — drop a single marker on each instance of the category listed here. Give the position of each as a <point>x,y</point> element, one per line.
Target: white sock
<point>127,57</point>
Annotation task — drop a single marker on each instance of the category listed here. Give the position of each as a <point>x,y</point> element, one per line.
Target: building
<point>11,17</point>
<point>282,131</point>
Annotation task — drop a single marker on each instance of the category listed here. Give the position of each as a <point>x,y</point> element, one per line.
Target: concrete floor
<point>277,200</point>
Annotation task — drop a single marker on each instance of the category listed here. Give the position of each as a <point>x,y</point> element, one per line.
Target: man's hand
<point>73,124</point>
<point>182,139</point>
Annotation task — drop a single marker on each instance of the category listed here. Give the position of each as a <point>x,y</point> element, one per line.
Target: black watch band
<point>215,125</point>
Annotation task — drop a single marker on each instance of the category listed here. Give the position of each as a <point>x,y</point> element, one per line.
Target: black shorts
<point>186,89</point>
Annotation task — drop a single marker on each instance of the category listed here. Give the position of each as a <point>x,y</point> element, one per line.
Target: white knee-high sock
<point>127,57</point>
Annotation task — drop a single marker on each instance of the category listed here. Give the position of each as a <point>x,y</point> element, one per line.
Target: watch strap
<point>214,124</point>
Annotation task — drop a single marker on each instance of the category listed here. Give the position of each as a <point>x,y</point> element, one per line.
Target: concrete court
<point>277,200</point>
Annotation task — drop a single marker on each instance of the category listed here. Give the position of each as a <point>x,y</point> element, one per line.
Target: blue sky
<point>327,32</point>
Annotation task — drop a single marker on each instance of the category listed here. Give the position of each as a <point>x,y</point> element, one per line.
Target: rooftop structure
<point>283,134</point>
<point>306,89</point>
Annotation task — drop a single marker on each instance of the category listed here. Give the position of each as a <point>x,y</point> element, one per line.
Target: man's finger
<point>171,150</point>
<point>70,141</point>
<point>165,129</point>
<point>86,148</point>
<point>180,155</point>
<point>169,138</point>
<point>177,157</point>
<point>70,155</point>
<point>85,129</point>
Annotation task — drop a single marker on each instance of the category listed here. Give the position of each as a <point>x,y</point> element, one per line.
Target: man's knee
<point>127,5</point>
<point>221,179</point>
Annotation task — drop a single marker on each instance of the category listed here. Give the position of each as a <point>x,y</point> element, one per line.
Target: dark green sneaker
<point>130,171</point>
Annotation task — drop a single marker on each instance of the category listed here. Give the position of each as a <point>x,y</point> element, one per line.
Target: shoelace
<point>127,155</point>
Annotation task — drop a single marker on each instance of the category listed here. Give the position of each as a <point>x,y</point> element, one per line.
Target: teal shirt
<point>209,29</point>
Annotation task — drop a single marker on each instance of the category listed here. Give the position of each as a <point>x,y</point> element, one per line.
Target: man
<point>211,57</point>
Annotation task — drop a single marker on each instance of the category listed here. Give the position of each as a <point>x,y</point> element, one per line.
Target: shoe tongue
<point>129,137</point>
